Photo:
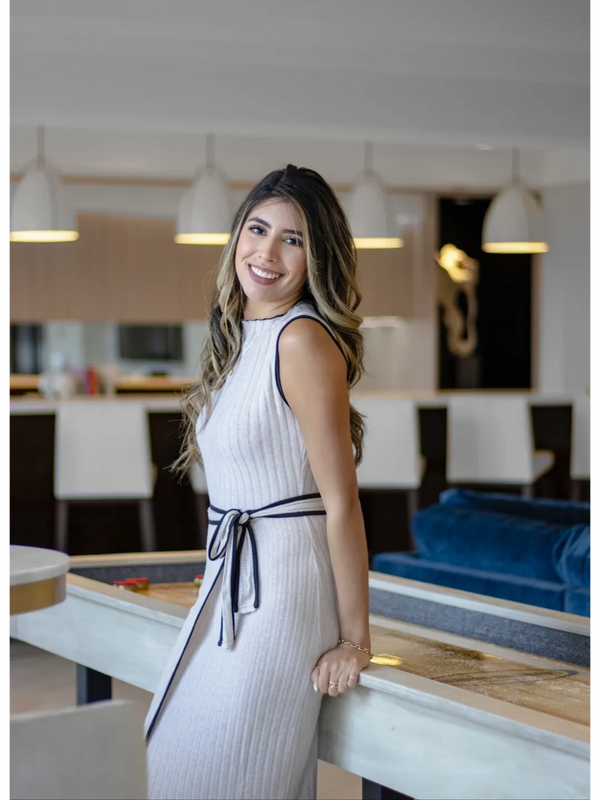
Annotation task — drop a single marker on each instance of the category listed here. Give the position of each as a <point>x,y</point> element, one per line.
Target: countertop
<point>171,402</point>
<point>127,383</point>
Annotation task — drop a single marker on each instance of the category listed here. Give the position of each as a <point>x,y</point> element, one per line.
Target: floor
<point>42,681</point>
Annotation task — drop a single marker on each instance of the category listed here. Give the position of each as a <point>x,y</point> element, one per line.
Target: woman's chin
<point>259,292</point>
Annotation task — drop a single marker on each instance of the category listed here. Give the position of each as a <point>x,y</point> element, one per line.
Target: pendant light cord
<point>210,152</point>
<point>368,155</point>
<point>515,166</point>
<point>41,149</point>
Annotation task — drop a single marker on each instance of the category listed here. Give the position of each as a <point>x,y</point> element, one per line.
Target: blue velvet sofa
<point>529,551</point>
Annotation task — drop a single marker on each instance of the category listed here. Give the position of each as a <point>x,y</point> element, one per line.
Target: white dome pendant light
<point>514,221</point>
<point>369,211</point>
<point>204,211</point>
<point>39,211</point>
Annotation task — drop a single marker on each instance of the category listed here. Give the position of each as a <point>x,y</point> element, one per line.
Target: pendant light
<point>204,211</point>
<point>369,210</point>
<point>39,212</point>
<point>513,222</point>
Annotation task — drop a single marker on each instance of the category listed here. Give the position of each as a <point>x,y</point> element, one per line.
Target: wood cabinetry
<point>128,269</point>
<point>123,269</point>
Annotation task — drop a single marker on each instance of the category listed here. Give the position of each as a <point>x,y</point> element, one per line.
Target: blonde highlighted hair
<point>331,286</point>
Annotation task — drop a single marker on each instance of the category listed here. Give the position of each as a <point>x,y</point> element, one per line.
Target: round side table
<point>37,578</point>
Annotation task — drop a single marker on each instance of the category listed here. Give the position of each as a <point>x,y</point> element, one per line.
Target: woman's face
<point>271,241</point>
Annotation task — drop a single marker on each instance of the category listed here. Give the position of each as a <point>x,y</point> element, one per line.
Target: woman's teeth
<point>262,274</point>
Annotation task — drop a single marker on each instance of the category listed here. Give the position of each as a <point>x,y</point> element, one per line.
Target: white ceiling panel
<point>400,72</point>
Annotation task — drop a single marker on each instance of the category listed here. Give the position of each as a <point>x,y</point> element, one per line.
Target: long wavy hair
<point>331,286</point>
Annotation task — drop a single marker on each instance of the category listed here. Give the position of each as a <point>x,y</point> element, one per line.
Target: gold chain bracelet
<point>358,647</point>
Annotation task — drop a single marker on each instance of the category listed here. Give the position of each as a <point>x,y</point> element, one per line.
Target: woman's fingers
<point>343,681</point>
<point>352,678</point>
<point>321,676</point>
<point>325,675</point>
<point>340,672</point>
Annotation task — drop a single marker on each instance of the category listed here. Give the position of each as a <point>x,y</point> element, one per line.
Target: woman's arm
<point>313,378</point>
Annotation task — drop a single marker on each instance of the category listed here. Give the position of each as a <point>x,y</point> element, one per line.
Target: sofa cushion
<point>487,540</point>
<point>571,555</point>
<point>554,511</point>
<point>546,594</point>
<point>577,601</point>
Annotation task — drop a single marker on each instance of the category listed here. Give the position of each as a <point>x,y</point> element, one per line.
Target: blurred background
<point>127,107</point>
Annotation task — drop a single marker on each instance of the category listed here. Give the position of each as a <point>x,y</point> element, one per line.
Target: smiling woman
<point>236,710</point>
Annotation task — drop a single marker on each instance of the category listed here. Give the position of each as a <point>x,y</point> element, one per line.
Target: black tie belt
<point>240,586</point>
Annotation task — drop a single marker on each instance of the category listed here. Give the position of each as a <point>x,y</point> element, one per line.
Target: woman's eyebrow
<point>266,224</point>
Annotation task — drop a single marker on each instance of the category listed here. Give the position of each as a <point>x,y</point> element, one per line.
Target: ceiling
<point>414,72</point>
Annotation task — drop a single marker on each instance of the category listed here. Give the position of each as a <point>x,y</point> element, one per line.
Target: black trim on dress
<point>299,316</point>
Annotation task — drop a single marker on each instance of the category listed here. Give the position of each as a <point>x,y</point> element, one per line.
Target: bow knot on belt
<point>240,586</point>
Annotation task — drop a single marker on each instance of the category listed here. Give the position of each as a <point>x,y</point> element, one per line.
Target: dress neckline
<point>266,319</point>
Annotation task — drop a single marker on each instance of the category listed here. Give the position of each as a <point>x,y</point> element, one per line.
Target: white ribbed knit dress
<point>239,719</point>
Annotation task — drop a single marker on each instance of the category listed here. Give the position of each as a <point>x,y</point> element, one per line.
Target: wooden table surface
<point>180,594</point>
<point>563,691</point>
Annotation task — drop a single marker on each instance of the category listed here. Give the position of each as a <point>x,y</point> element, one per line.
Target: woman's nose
<point>269,250</point>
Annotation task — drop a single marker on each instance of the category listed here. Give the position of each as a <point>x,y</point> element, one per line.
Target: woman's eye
<point>289,239</point>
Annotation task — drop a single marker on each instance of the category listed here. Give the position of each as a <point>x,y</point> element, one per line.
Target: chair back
<point>391,446</point>
<point>91,751</point>
<point>580,438</point>
<point>489,440</point>
<point>102,450</point>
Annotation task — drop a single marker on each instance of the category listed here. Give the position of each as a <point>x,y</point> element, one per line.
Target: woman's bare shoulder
<point>309,336</point>
<point>310,363</point>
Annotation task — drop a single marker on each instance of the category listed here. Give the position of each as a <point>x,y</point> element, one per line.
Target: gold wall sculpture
<point>458,273</point>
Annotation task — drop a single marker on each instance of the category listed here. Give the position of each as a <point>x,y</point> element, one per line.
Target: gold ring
<point>333,684</point>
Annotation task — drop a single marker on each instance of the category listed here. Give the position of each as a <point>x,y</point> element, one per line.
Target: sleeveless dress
<point>235,714</point>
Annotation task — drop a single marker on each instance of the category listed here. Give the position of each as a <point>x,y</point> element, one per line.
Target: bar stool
<point>102,452</point>
<point>198,482</point>
<point>580,444</point>
<point>391,450</point>
<point>78,753</point>
<point>490,441</point>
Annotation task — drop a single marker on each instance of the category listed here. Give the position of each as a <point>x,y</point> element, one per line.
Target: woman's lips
<point>258,279</point>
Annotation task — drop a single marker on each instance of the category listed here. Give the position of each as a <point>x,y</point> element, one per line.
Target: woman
<point>236,711</point>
